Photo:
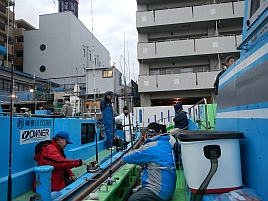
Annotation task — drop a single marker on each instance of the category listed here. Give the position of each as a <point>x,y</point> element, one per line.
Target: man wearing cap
<point>53,154</point>
<point>159,174</point>
<point>124,120</point>
<point>228,62</point>
<point>108,118</point>
<point>180,119</point>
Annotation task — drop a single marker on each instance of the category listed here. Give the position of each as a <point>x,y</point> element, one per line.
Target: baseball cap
<point>64,135</point>
<point>110,93</point>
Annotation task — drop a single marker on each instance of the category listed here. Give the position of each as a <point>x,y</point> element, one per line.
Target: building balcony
<point>180,48</point>
<point>19,31</point>
<point>18,46</point>
<point>149,21</point>
<point>153,1</point>
<point>9,48</point>
<point>10,30</point>
<point>18,61</point>
<point>9,14</point>
<point>175,82</point>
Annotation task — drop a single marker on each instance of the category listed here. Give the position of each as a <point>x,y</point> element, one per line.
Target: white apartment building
<point>182,45</point>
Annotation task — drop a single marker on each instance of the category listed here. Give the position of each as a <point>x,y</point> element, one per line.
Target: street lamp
<point>32,90</point>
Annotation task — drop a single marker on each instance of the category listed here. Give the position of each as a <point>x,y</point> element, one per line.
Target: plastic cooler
<point>197,166</point>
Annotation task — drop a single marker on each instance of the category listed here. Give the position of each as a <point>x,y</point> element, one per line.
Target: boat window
<point>255,9</point>
<point>87,133</point>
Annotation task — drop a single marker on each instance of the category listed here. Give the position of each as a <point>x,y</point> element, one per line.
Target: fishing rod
<point>94,165</point>
<point>11,108</point>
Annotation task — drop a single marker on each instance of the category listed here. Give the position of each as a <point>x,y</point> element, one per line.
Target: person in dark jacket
<point>228,62</point>
<point>108,118</point>
<point>53,154</point>
<point>180,119</point>
<point>159,174</point>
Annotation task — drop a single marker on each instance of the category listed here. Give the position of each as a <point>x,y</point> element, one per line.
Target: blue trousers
<point>109,129</point>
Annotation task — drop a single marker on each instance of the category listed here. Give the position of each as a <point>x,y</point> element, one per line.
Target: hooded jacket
<point>180,120</point>
<point>53,155</point>
<point>159,174</point>
<point>67,109</point>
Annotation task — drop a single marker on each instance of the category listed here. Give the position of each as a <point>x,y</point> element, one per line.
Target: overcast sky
<point>113,20</point>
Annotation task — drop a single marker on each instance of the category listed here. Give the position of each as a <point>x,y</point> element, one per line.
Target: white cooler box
<point>197,166</point>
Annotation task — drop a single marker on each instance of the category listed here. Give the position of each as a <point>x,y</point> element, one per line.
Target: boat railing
<point>166,121</point>
<point>195,113</point>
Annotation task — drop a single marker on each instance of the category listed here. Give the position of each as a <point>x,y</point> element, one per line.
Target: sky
<point>114,25</point>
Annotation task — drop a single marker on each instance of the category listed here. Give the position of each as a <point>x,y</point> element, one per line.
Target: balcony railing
<point>177,48</point>
<point>191,14</point>
<point>174,82</point>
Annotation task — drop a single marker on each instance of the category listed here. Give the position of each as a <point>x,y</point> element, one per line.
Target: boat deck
<point>77,172</point>
<point>116,192</point>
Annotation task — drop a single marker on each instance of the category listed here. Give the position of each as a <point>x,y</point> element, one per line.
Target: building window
<point>121,80</point>
<point>186,70</point>
<point>84,52</point>
<point>42,69</point>
<point>87,133</point>
<point>3,9</point>
<point>2,26</point>
<point>107,73</point>
<point>19,39</point>
<point>42,47</point>
<point>19,53</point>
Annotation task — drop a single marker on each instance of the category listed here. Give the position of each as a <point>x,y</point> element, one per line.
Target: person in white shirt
<point>124,120</point>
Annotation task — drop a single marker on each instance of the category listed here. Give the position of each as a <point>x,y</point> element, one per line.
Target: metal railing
<point>196,111</point>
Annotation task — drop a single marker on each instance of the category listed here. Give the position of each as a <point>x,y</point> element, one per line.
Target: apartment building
<point>6,30</point>
<point>182,45</point>
<point>20,26</point>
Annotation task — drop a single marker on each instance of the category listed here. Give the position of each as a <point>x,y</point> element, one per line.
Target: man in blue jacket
<point>159,174</point>
<point>108,118</point>
<point>180,119</point>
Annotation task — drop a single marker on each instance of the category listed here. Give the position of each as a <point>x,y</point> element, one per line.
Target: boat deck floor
<point>179,195</point>
<point>77,172</point>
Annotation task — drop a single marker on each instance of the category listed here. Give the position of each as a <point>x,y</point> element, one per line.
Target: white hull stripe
<point>245,63</point>
<point>245,114</point>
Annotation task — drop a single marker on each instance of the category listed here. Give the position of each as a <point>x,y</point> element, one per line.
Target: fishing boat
<point>89,143</point>
<point>223,152</point>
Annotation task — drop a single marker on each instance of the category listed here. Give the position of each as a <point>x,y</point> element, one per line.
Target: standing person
<point>108,118</point>
<point>67,109</point>
<point>228,62</point>
<point>159,174</point>
<point>124,120</point>
<point>180,119</point>
<point>53,154</point>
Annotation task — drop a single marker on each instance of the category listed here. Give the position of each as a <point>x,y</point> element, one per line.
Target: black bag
<point>67,179</point>
<point>40,145</point>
